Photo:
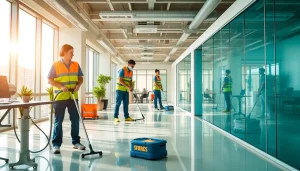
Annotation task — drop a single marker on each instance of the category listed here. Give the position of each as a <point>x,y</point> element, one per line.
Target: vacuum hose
<point>51,123</point>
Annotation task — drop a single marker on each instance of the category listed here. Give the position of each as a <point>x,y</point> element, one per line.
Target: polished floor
<point>191,145</point>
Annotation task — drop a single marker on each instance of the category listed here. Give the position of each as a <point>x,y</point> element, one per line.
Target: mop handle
<point>79,113</point>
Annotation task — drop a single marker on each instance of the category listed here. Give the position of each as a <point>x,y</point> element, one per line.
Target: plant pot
<point>24,124</point>
<point>100,105</point>
<point>105,101</point>
<point>26,99</point>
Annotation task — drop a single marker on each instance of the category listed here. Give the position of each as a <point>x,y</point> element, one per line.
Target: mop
<point>87,137</point>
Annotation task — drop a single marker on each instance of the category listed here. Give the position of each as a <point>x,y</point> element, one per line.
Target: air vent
<point>156,23</point>
<point>145,29</point>
<point>111,16</point>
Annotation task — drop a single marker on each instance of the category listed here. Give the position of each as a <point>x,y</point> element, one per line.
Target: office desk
<point>24,158</point>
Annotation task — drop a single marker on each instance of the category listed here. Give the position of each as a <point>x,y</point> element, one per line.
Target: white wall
<point>170,77</point>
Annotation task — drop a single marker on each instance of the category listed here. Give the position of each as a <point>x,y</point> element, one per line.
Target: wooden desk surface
<point>21,104</point>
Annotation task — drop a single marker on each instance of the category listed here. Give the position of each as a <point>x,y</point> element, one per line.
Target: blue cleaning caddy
<point>148,148</point>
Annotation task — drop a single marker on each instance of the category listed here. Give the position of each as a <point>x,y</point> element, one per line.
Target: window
<point>91,73</point>
<point>47,54</point>
<point>26,55</point>
<point>5,37</point>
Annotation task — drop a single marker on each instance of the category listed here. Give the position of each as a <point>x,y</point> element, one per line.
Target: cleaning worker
<point>227,90</point>
<point>64,75</point>
<point>157,87</point>
<point>124,84</point>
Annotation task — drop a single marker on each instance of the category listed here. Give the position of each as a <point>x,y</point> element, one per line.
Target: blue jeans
<point>157,95</point>
<point>121,96</point>
<point>227,96</point>
<point>60,108</point>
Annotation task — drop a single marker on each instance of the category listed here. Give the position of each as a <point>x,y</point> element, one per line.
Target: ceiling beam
<point>120,36</point>
<point>110,5</point>
<point>168,7</point>
<point>151,4</point>
<point>129,6</point>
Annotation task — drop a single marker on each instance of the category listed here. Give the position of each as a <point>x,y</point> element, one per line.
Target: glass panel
<point>5,37</point>
<point>26,55</point>
<point>141,71</point>
<point>4,43</point>
<point>287,34</point>
<point>90,70</point>
<point>254,77</point>
<point>184,83</point>
<point>47,54</point>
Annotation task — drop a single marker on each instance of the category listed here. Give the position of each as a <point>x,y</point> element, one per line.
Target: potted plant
<point>99,93</point>
<point>25,94</point>
<point>103,80</point>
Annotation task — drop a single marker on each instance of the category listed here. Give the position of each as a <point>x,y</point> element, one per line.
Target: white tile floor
<point>191,145</point>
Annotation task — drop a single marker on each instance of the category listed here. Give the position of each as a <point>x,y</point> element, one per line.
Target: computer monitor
<point>4,88</point>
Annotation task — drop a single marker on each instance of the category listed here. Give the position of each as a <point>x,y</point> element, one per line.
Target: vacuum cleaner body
<point>169,107</point>
<point>148,148</point>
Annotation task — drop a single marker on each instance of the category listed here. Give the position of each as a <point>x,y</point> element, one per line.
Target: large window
<point>5,37</point>
<point>26,47</point>
<point>27,61</point>
<point>47,54</point>
<point>4,41</point>
<point>91,73</point>
<point>144,79</point>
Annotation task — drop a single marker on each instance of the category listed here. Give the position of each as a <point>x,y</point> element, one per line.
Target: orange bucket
<point>89,111</point>
<point>152,96</point>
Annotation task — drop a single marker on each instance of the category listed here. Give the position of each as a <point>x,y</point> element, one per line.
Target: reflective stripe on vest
<point>158,82</point>
<point>66,77</point>
<point>228,86</point>
<point>127,78</point>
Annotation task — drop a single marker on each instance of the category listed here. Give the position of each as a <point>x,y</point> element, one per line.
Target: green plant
<point>102,81</point>
<point>25,91</point>
<point>99,92</point>
<point>51,95</point>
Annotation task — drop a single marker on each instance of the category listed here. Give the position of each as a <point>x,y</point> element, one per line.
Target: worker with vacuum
<point>227,90</point>
<point>157,87</point>
<point>65,75</point>
<point>124,84</point>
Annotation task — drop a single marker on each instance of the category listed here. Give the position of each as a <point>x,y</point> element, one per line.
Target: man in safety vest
<point>65,75</point>
<point>227,90</point>
<point>124,84</point>
<point>157,87</point>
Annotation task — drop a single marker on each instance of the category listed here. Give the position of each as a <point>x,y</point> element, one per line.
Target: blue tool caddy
<point>148,148</point>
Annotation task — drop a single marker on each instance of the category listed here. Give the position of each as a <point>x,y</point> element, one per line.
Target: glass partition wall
<point>184,84</point>
<point>261,49</point>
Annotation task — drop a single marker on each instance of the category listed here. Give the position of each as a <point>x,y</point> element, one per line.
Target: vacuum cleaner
<point>168,107</point>
<point>51,123</point>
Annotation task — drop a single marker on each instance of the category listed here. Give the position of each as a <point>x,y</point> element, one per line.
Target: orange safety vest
<point>127,78</point>
<point>66,77</point>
